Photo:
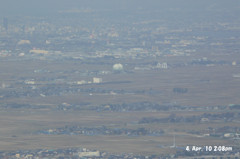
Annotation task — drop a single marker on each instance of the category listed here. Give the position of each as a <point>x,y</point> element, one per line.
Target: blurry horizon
<point>46,7</point>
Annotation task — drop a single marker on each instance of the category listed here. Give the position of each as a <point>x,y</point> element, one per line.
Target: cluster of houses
<point>206,117</point>
<point>67,153</point>
<point>92,131</point>
<point>70,153</point>
<point>84,153</point>
<point>150,106</point>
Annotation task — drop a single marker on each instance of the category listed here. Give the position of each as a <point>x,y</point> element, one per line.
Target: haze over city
<point>119,79</point>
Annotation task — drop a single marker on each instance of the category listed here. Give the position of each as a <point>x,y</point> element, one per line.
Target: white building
<point>29,82</point>
<point>89,154</point>
<point>162,65</point>
<point>118,67</point>
<point>97,80</point>
<point>81,82</point>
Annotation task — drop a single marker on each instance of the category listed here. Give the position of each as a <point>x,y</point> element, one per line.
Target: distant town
<point>83,84</point>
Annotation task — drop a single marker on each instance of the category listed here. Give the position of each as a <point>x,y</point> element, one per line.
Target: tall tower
<point>5,23</point>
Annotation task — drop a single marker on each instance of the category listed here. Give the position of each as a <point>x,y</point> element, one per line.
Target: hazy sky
<point>36,7</point>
